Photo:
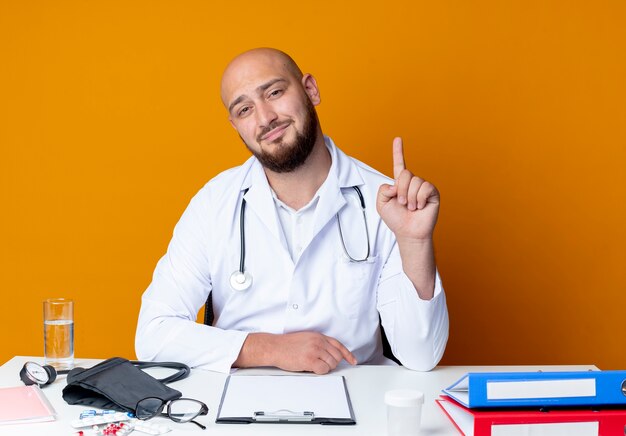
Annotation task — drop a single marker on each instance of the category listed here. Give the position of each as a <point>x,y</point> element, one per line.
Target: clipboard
<point>285,399</point>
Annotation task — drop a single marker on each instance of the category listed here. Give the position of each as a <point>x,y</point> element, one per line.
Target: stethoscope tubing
<point>242,232</point>
<point>240,280</point>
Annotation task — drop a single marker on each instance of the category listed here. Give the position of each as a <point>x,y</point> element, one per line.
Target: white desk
<point>366,384</point>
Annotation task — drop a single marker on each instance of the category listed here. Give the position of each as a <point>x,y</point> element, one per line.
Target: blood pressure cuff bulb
<point>115,384</point>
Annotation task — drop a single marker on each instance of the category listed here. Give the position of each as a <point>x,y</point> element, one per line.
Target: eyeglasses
<point>180,410</point>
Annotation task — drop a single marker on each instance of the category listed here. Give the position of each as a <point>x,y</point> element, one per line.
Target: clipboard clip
<point>283,415</point>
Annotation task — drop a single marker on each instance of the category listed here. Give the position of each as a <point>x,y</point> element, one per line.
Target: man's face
<point>271,111</point>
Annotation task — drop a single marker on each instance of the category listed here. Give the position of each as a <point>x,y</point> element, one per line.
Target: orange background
<point>110,121</point>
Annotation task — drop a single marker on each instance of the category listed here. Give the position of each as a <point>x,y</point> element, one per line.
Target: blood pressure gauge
<point>33,373</point>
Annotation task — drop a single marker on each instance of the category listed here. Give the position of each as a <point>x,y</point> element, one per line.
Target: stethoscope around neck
<point>241,279</point>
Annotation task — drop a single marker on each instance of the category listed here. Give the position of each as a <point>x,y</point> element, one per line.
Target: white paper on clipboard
<point>325,396</point>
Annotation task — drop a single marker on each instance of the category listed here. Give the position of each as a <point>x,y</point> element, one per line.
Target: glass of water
<point>58,333</point>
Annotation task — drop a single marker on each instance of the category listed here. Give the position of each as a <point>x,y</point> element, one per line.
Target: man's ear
<point>310,87</point>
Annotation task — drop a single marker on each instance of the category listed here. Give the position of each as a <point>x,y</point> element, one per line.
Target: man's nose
<point>265,114</point>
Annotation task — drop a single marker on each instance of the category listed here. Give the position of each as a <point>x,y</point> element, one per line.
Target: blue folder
<point>540,389</point>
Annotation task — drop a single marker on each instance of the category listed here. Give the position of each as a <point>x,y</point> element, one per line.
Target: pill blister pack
<point>108,418</point>
<point>149,427</point>
<point>117,424</point>
<point>113,429</point>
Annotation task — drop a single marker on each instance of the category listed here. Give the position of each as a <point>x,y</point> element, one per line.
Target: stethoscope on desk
<point>241,279</point>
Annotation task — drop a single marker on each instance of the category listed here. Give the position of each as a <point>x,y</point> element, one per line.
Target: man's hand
<point>302,351</point>
<point>410,206</point>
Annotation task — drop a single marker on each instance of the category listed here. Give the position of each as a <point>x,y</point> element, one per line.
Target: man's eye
<point>276,92</point>
<point>243,111</point>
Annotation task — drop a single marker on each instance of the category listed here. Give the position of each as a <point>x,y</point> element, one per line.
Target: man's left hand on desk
<point>301,351</point>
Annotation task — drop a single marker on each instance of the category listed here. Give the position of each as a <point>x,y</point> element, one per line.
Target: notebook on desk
<point>22,404</point>
<point>289,399</point>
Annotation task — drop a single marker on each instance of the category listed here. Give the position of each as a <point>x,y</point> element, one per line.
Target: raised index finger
<point>398,158</point>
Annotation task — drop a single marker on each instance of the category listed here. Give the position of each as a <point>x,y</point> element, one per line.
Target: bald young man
<point>318,269</point>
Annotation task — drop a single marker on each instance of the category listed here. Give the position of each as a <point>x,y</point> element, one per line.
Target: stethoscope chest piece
<point>240,281</point>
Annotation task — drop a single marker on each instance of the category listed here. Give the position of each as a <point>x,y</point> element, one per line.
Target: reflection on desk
<point>367,386</point>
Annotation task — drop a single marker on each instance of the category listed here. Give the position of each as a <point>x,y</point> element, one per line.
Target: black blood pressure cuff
<point>117,384</point>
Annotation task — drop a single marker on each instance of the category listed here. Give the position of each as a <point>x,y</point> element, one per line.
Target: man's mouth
<point>275,133</point>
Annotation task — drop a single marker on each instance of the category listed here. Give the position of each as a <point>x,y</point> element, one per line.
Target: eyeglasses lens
<point>184,410</point>
<point>149,408</point>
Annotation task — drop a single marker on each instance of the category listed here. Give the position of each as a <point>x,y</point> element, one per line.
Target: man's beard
<point>288,157</point>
